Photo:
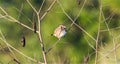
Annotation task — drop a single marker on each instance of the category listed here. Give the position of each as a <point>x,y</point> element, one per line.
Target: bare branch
<point>52,46</point>
<point>113,41</point>
<point>32,6</point>
<point>20,11</point>
<point>5,41</point>
<point>90,44</point>
<point>79,12</point>
<point>15,20</point>
<point>111,51</point>
<point>3,16</point>
<point>8,46</point>
<point>39,28</point>
<point>110,29</point>
<point>98,34</point>
<point>40,38</point>
<point>3,10</point>
<point>41,6</point>
<point>48,10</point>
<point>23,15</point>
<point>20,23</point>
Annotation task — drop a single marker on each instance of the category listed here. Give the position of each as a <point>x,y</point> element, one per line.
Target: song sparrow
<point>60,31</point>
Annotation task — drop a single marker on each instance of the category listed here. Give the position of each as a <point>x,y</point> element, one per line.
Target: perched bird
<point>60,31</point>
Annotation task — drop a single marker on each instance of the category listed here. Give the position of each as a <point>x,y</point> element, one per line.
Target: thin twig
<point>111,16</point>
<point>16,61</point>
<point>40,38</point>
<point>115,56</point>
<point>79,13</point>
<point>3,10</point>
<point>8,46</point>
<point>98,34</point>
<point>21,8</point>
<point>52,46</point>
<point>32,6</point>
<point>5,41</point>
<point>41,6</point>
<point>48,10</point>
<point>110,29</point>
<point>20,23</point>
<point>3,16</point>
<point>23,15</point>
<point>19,51</point>
<point>90,44</point>
<point>39,28</point>
<point>15,20</point>
<point>6,52</point>
<point>111,51</point>
<point>113,41</point>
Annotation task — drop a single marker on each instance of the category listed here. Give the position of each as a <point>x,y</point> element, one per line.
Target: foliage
<point>86,22</point>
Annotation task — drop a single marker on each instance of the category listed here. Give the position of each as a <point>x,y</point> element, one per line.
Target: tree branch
<point>48,10</point>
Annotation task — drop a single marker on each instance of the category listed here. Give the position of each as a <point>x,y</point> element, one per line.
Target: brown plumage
<point>60,31</point>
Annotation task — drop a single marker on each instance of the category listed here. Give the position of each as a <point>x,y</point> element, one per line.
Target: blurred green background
<point>76,45</point>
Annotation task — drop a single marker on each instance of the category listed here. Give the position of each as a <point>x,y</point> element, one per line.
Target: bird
<point>60,31</point>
